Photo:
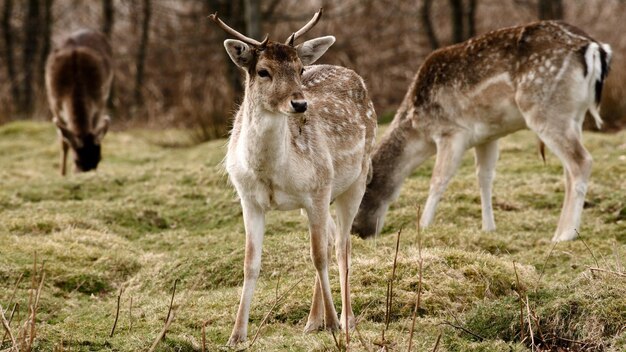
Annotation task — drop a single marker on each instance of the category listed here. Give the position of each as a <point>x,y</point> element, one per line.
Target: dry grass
<point>152,215</point>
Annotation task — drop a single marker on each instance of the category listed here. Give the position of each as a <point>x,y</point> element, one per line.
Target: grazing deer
<point>544,76</point>
<point>301,139</point>
<point>78,80</point>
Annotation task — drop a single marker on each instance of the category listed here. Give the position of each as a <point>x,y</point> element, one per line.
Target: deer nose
<point>299,105</point>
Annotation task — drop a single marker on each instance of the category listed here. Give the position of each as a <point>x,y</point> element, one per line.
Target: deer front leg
<point>486,157</point>
<point>315,322</point>
<point>319,217</point>
<point>254,222</point>
<point>64,149</point>
<point>449,153</point>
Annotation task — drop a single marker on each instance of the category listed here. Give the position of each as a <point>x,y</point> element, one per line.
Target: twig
<point>419,285</point>
<point>5,323</point>
<point>33,317</point>
<point>204,324</point>
<point>608,271</point>
<point>117,312</point>
<point>465,330</point>
<point>358,335</point>
<point>130,315</point>
<point>521,305</point>
<point>169,311</point>
<point>437,343</point>
<point>15,307</point>
<point>278,298</point>
<point>589,249</point>
<point>393,278</point>
<point>530,327</point>
<point>545,262</point>
<point>336,341</point>
<point>170,318</point>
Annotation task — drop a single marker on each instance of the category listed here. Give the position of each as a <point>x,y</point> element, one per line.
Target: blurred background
<point>171,69</point>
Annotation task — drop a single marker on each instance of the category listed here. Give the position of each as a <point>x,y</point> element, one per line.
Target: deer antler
<point>236,34</point>
<point>306,27</point>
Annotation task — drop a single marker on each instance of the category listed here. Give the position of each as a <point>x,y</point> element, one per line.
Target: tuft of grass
<point>160,209</point>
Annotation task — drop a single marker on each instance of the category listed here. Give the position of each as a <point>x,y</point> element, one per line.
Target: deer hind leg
<point>315,322</point>
<point>254,222</point>
<point>449,153</point>
<point>565,142</point>
<point>486,157</point>
<point>319,217</point>
<point>347,206</point>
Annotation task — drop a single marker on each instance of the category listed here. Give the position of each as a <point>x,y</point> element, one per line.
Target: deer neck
<point>264,138</point>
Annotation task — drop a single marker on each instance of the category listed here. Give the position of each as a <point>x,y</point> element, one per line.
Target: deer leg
<point>254,222</point>
<point>318,226</point>
<point>315,322</point>
<point>347,205</point>
<point>486,157</point>
<point>64,149</point>
<point>449,153</point>
<point>577,163</point>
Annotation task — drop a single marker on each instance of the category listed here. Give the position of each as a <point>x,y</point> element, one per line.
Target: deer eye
<point>301,71</point>
<point>263,73</point>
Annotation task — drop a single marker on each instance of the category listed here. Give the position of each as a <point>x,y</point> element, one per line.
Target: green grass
<point>154,213</point>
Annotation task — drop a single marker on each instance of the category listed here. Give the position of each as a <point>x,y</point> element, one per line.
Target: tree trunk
<point>9,54</point>
<point>107,18</point>
<point>428,25</point>
<point>471,18</point>
<point>143,48</point>
<point>46,34</point>
<point>231,11</point>
<point>252,9</point>
<point>31,46</point>
<point>550,9</point>
<point>456,7</point>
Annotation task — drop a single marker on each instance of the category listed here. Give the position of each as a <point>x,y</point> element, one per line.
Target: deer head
<point>273,69</point>
<point>86,147</point>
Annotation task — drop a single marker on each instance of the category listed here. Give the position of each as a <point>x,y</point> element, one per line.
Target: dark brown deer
<point>544,76</point>
<point>78,80</point>
<point>301,138</point>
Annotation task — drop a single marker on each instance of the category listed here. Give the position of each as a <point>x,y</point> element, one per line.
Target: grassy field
<point>158,210</point>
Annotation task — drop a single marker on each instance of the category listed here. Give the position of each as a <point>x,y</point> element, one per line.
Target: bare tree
<point>46,33</point>
<point>252,10</point>
<point>30,49</point>
<point>428,25</point>
<point>107,18</point>
<point>143,49</point>
<point>231,12</point>
<point>550,9</point>
<point>462,16</point>
<point>8,45</point>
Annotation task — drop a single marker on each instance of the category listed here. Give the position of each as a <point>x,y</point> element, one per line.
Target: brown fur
<point>78,81</point>
<point>537,65</point>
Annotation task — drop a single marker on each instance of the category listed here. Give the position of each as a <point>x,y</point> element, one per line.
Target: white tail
<point>543,76</point>
<point>301,138</point>
<point>78,81</point>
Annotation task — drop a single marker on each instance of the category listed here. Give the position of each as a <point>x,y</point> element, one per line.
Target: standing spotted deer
<point>544,76</point>
<point>78,80</point>
<point>301,139</point>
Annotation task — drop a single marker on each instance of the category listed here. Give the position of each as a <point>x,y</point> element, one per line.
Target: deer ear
<point>102,128</point>
<point>239,52</point>
<point>313,49</point>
